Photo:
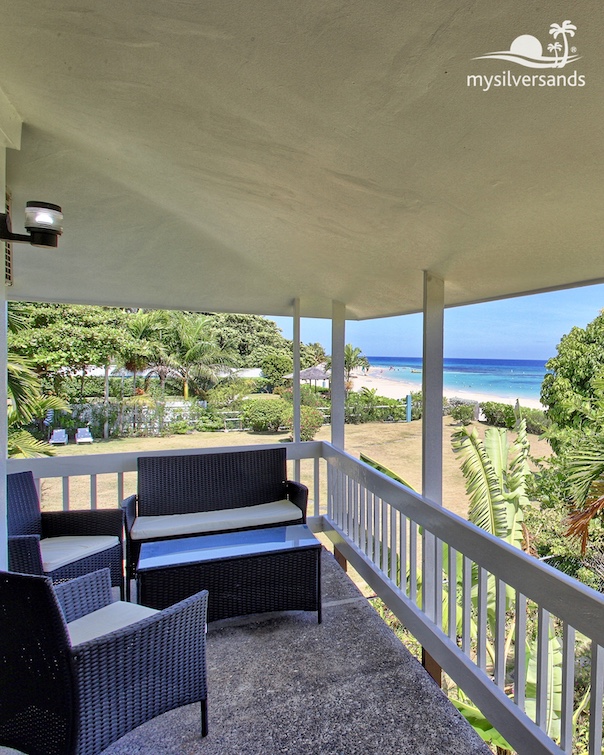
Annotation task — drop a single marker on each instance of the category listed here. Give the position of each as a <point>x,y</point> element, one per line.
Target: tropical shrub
<point>417,405</point>
<point>230,394</point>
<point>505,415</point>
<point>570,383</point>
<point>309,395</point>
<point>463,413</point>
<point>356,409</point>
<point>498,415</point>
<point>265,415</point>
<point>366,406</point>
<point>537,421</point>
<point>311,419</point>
<point>207,421</point>
<point>546,526</point>
<point>496,477</point>
<point>179,427</point>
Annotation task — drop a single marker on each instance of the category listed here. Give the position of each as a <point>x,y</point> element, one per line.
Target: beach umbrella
<point>318,372</point>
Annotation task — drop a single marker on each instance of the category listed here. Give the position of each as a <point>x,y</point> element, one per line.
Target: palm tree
<point>160,363</point>
<point>138,352</point>
<point>353,359</point>
<point>566,30</point>
<point>25,398</point>
<point>23,383</point>
<point>196,357</point>
<point>21,443</point>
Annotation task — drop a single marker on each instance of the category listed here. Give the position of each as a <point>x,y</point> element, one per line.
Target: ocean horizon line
<point>462,359</point>
<point>508,378</point>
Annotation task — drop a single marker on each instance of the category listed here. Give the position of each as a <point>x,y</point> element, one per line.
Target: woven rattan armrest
<point>85,594</point>
<point>129,509</point>
<point>85,522</point>
<point>298,495</point>
<point>24,554</point>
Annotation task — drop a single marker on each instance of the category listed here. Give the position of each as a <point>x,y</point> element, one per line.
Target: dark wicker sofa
<point>180,496</point>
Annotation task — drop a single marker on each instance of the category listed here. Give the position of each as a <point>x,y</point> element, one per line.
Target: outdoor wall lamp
<point>43,221</point>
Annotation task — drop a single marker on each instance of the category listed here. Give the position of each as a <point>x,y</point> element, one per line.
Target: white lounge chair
<point>59,437</point>
<point>83,435</point>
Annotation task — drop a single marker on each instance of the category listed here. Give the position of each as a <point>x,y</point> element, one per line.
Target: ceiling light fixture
<point>43,221</point>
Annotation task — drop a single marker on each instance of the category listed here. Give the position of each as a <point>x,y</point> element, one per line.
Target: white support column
<point>338,387</point>
<point>296,384</point>
<point>432,443</point>
<point>10,137</point>
<point>432,389</point>
<point>3,389</point>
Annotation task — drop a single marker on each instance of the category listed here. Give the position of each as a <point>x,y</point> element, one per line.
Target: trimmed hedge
<point>463,413</point>
<point>504,415</point>
<point>265,415</point>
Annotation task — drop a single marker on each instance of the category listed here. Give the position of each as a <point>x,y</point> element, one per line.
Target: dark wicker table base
<point>288,580</point>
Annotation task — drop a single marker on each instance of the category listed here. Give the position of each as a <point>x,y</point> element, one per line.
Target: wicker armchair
<point>90,540</point>
<point>62,698</point>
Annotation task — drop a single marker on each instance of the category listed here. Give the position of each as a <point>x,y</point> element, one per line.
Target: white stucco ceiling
<point>229,156</point>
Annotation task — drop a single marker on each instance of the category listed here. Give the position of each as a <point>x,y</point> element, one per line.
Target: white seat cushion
<point>114,616</point>
<point>172,525</point>
<point>60,551</point>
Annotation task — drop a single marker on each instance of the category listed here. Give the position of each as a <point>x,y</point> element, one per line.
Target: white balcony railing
<point>508,629</point>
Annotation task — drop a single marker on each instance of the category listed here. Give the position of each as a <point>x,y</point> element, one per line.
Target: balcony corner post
<point>340,559</point>
<point>432,441</point>
<point>3,387</point>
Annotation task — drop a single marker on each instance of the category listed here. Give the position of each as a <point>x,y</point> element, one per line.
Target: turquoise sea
<point>508,378</point>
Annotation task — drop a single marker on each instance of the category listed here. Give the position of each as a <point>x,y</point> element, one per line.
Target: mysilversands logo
<point>527,51</point>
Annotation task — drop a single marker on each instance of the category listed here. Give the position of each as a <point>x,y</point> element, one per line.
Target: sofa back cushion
<point>209,482</point>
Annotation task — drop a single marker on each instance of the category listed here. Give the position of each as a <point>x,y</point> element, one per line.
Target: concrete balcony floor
<point>281,683</point>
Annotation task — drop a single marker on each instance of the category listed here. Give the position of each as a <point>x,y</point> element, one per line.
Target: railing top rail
<point>565,597</point>
<point>66,466</point>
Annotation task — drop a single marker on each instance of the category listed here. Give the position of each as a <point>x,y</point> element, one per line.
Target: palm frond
<point>482,483</point>
<point>586,467</point>
<point>519,466</point>
<point>579,520</point>
<point>554,682</point>
<point>23,386</point>
<point>497,449</point>
<point>22,444</point>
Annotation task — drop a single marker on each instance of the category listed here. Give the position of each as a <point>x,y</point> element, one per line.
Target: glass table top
<point>188,550</point>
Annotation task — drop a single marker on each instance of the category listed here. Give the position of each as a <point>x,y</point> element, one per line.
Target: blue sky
<point>527,327</point>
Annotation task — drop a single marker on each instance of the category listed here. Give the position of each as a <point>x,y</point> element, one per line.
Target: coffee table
<point>268,569</point>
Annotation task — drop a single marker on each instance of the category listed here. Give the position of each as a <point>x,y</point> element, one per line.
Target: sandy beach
<point>378,378</point>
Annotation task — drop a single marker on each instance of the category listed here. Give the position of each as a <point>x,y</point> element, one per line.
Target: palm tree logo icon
<point>554,47</point>
<point>566,30</point>
<point>527,50</point>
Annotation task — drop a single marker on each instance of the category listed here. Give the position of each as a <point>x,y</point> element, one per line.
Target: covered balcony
<point>341,162</point>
